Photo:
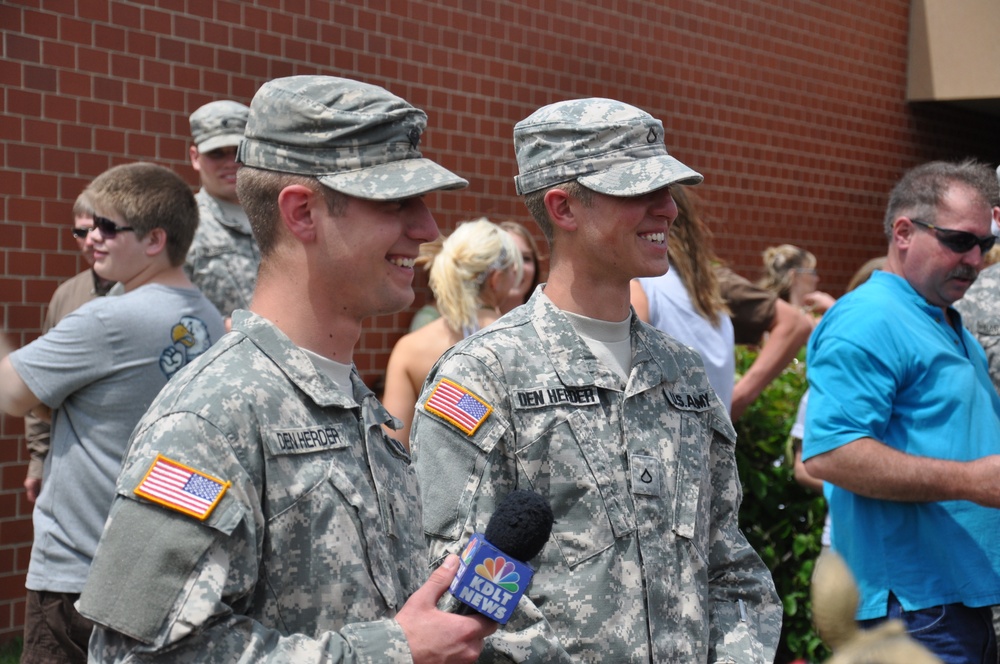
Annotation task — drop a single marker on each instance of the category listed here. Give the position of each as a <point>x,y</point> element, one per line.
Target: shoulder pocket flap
<point>134,594</point>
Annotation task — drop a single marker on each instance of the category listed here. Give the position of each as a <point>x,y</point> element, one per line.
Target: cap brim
<point>394,180</point>
<point>216,142</point>
<point>640,177</point>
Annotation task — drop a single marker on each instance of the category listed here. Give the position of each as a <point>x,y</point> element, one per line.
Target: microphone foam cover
<point>521,525</point>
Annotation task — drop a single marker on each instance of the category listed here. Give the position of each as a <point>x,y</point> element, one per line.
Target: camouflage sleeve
<point>204,629</point>
<point>36,435</point>
<point>462,478</point>
<point>981,317</point>
<point>226,279</point>
<point>745,616</point>
<point>168,587</point>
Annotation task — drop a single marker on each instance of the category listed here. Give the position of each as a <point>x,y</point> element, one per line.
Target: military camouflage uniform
<point>223,258</point>
<point>981,316</point>
<point>646,561</point>
<point>980,309</point>
<point>318,536</point>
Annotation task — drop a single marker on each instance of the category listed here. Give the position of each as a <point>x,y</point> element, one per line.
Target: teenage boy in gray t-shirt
<point>98,370</point>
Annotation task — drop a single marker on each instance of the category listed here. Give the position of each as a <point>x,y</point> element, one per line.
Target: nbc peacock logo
<point>501,572</point>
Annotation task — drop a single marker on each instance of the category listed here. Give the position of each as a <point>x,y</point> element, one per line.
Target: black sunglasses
<point>107,227</point>
<point>959,241</point>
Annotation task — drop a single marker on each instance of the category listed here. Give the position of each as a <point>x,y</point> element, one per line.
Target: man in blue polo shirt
<point>904,424</point>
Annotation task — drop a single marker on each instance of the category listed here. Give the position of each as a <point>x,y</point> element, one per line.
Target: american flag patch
<point>458,405</point>
<point>181,488</point>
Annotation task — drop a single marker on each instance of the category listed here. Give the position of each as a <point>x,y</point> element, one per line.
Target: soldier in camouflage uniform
<point>575,398</point>
<point>223,260</point>
<point>980,309</point>
<point>262,513</point>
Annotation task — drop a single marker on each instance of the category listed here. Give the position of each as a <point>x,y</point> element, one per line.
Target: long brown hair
<point>690,252</point>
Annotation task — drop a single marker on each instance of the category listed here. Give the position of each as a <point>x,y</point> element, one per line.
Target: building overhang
<point>954,49</point>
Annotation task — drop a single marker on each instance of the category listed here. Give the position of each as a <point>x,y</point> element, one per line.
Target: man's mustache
<point>964,272</point>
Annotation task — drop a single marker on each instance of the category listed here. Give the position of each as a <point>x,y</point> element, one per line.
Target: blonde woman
<point>791,274</point>
<point>473,271</point>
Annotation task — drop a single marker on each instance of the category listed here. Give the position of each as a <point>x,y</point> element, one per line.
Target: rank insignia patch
<point>181,488</point>
<point>458,405</point>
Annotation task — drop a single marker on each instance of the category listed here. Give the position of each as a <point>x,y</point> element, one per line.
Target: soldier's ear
<point>296,206</point>
<point>561,208</point>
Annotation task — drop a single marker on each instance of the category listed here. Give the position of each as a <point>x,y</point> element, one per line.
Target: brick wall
<point>794,110</point>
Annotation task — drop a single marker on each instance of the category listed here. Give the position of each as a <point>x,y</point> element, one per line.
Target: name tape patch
<point>305,440</point>
<point>554,396</point>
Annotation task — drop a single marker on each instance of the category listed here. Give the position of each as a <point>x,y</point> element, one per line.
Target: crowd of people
<point>218,483</point>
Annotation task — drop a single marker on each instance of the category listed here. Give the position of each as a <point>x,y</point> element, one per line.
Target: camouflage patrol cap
<point>606,145</point>
<point>355,138</point>
<point>218,124</point>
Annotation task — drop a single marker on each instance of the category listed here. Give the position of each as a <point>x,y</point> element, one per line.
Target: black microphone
<point>492,575</point>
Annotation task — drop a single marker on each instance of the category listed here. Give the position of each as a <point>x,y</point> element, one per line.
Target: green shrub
<point>782,520</point>
<point>10,652</point>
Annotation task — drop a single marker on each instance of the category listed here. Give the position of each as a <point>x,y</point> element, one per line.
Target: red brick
<point>216,34</point>
<point>24,102</point>
<point>109,140</point>
<point>215,80</point>
<point>139,94</point>
<point>76,31</point>
<point>110,38</point>
<point>202,9</point>
<point>12,585</point>
<point>10,73</point>
<point>170,49</point>
<point>59,266</point>
<point>41,238</point>
<point>42,185</point>
<point>124,66</point>
<point>93,60</point>
<point>186,77</point>
<point>88,162</point>
<point>157,73</point>
<point>156,21</point>
<point>255,19</point>
<point>229,60</point>
<point>174,6</point>
<point>140,145</point>
<point>74,84</point>
<point>141,44</point>
<point>75,136</point>
<point>244,40</point>
<point>227,11</point>
<point>24,209</point>
<point>186,28</point>
<point>40,78</point>
<point>243,88</point>
<point>60,107</point>
<point>282,23</point>
<point>22,47</point>
<point>35,23</point>
<point>108,90</point>
<point>169,99</point>
<point>126,16</point>
<point>96,113</point>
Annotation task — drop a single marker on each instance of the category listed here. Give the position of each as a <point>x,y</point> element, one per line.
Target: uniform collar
<point>299,369</point>
<point>576,366</point>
